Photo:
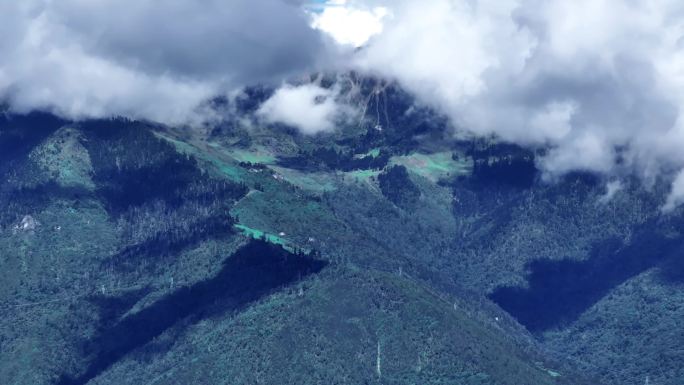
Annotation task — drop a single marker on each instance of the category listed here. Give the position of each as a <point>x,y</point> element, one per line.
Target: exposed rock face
<point>28,223</point>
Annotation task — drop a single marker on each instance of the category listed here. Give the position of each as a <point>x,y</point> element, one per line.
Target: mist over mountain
<point>348,192</point>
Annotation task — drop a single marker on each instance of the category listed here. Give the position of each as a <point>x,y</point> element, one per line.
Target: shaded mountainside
<point>475,221</point>
<point>381,253</point>
<point>132,255</point>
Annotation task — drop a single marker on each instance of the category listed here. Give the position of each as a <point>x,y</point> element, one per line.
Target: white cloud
<point>309,107</point>
<point>441,49</point>
<point>350,24</point>
<point>676,196</point>
<point>147,59</point>
<point>612,188</point>
<point>553,121</point>
<point>585,152</point>
<point>600,83</point>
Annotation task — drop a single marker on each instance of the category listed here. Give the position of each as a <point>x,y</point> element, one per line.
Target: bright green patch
<point>316,182</point>
<point>361,175</point>
<point>374,153</point>
<point>252,155</point>
<point>258,234</point>
<point>231,171</point>
<point>180,146</point>
<point>224,168</point>
<point>433,166</point>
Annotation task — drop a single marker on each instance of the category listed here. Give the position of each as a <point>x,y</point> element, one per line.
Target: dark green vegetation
<point>382,253</point>
<point>248,274</point>
<point>396,185</point>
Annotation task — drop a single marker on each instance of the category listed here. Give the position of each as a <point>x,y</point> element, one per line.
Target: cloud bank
<point>157,60</point>
<point>600,83</point>
<point>308,107</point>
<point>349,24</point>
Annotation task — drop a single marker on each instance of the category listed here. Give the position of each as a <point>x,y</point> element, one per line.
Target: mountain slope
<point>128,257</point>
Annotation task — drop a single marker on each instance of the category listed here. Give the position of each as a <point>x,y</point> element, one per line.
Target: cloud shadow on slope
<point>559,292</point>
<point>249,274</point>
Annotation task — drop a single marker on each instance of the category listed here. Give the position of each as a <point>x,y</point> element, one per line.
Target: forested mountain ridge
<point>383,252</point>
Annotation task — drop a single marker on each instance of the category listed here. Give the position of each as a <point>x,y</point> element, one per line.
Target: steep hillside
<point>133,254</point>
<point>475,219</point>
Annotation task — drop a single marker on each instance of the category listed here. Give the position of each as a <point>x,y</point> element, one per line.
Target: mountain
<point>386,252</point>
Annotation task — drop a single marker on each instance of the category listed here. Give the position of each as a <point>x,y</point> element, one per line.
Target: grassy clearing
<point>435,166</point>
<point>258,234</point>
<point>374,153</point>
<point>253,155</point>
<point>361,175</point>
<point>314,182</point>
<point>220,165</point>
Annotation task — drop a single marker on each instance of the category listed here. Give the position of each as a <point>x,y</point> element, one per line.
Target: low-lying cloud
<point>147,59</point>
<point>310,108</point>
<point>599,84</point>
